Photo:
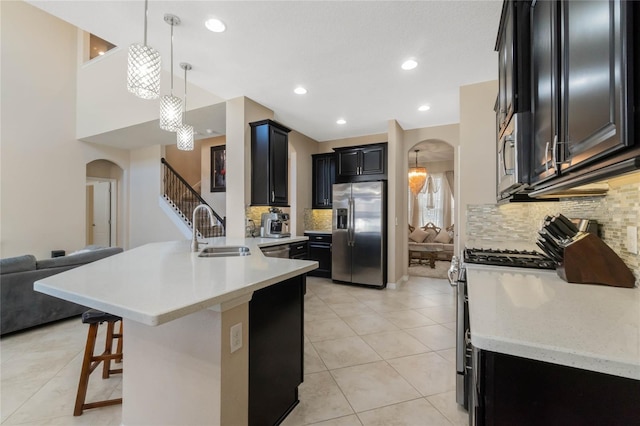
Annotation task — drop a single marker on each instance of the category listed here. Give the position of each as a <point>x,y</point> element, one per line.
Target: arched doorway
<point>431,208</point>
<point>103,203</point>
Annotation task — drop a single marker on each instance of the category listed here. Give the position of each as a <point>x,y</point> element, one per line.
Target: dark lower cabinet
<point>517,391</point>
<point>320,251</point>
<point>275,350</point>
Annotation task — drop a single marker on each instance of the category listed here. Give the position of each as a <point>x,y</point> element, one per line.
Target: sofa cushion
<point>418,235</point>
<point>26,262</point>
<point>79,258</point>
<point>442,237</point>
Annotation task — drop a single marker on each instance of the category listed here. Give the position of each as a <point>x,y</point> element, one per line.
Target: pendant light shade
<point>143,68</point>
<point>171,106</point>
<point>417,177</point>
<point>185,131</point>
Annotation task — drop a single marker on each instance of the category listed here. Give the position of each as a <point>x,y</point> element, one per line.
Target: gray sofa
<point>20,306</point>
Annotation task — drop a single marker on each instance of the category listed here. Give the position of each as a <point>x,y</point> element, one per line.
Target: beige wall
<point>186,163</point>
<point>476,163</point>
<point>328,146</point>
<point>301,148</point>
<point>42,165</point>
<point>396,204</point>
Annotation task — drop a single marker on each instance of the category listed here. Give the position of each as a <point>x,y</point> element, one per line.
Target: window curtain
<point>434,203</point>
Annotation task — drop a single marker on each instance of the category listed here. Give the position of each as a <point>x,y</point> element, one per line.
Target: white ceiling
<point>346,53</point>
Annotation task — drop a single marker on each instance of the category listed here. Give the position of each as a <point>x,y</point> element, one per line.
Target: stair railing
<point>184,199</point>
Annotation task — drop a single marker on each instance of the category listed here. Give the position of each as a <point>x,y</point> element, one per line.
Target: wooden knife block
<point>588,260</point>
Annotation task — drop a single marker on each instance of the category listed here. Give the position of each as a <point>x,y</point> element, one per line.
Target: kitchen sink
<point>225,251</point>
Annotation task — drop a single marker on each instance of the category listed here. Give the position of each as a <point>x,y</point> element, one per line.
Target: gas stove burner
<point>515,258</point>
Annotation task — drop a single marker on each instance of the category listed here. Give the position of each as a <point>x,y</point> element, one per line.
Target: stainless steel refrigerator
<point>358,251</point>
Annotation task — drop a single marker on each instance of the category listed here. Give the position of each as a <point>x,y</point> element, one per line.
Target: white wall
<point>148,222</point>
<point>476,164</point>
<point>42,164</point>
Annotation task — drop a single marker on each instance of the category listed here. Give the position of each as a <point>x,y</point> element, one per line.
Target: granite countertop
<point>159,282</point>
<point>535,314</point>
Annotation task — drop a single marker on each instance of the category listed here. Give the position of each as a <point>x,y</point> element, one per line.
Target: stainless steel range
<point>458,279</point>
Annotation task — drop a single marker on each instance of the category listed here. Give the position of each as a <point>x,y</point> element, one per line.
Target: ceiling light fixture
<point>341,121</point>
<point>417,177</point>
<point>409,64</point>
<point>215,25</point>
<point>424,108</point>
<point>143,67</point>
<point>171,106</point>
<point>185,131</point>
<point>300,90</point>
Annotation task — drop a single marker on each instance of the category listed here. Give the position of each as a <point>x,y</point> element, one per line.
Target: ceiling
<point>431,151</point>
<point>347,54</point>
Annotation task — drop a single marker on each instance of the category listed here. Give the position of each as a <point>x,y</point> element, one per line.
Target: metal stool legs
<point>90,361</point>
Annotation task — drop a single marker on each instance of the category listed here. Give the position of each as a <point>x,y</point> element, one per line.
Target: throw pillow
<point>418,235</point>
<point>431,235</point>
<point>442,237</point>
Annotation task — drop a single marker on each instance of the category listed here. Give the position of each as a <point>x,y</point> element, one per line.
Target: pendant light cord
<point>184,113</point>
<point>146,11</point>
<point>171,91</point>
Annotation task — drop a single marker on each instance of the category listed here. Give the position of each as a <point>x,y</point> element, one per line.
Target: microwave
<point>514,156</point>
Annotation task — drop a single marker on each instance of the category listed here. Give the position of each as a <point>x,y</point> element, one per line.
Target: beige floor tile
<point>327,329</point>
<point>435,336</point>
<point>385,305</point>
<point>450,325</point>
<point>351,420</point>
<point>320,399</point>
<point>338,297</point>
<point>104,416</point>
<point>394,344</point>
<point>411,413</point>
<point>429,373</point>
<point>312,361</point>
<point>373,385</point>
<point>368,324</point>
<point>446,404</point>
<point>448,354</point>
<point>440,314</point>
<point>318,312</point>
<point>345,352</point>
<point>348,309</point>
<point>14,394</point>
<point>442,299</point>
<point>407,319</point>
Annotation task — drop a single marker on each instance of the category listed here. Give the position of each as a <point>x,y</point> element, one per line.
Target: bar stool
<point>94,318</point>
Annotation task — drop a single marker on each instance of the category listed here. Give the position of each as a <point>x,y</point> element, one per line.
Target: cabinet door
<point>324,176</point>
<point>593,83</point>
<point>349,163</point>
<point>505,65</point>
<point>373,161</point>
<point>544,96</point>
<point>278,176</point>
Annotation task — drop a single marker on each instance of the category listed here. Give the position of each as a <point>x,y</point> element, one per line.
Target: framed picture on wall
<point>219,168</point>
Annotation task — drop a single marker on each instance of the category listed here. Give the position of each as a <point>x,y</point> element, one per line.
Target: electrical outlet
<point>236,337</point>
<point>632,239</point>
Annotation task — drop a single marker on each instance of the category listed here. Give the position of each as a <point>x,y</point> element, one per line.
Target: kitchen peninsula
<point>178,310</point>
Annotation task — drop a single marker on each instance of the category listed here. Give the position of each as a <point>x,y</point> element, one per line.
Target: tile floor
<point>372,357</point>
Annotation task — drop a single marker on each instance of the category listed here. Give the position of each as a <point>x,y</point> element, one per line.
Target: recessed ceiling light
<point>409,64</point>
<point>424,108</point>
<point>300,90</point>
<point>341,121</point>
<point>215,25</point>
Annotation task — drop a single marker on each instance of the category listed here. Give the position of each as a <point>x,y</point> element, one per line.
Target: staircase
<point>183,199</point>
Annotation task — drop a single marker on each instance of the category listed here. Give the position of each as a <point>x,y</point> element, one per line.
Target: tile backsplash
<point>521,221</point>
<point>317,220</point>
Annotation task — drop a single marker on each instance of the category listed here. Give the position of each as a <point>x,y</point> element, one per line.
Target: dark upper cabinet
<point>582,100</point>
<point>362,163</point>
<point>513,49</point>
<point>324,176</point>
<point>269,163</point>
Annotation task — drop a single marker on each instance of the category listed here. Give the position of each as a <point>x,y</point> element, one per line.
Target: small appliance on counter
<point>274,224</point>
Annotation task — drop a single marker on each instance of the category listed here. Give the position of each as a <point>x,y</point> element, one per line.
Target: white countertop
<point>535,314</point>
<point>160,282</point>
<point>317,232</point>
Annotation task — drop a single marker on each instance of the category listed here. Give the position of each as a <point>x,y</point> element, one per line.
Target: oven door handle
<point>452,273</point>
<point>505,139</point>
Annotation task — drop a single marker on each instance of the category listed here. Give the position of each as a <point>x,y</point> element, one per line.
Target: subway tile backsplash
<point>521,221</point>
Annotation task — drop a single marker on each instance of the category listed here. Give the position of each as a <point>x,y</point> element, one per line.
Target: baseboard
<point>398,285</point>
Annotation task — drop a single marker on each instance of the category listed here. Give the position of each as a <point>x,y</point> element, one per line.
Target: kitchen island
<point>547,351</point>
<point>178,310</point>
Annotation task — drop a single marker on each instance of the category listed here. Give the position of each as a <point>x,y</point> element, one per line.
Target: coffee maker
<point>274,224</point>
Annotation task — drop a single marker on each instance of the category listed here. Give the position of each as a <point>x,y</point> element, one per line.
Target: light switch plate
<point>236,337</point>
<point>632,239</point>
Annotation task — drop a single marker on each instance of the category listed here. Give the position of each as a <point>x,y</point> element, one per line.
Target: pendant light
<point>417,177</point>
<point>171,106</point>
<point>185,131</point>
<point>143,67</point>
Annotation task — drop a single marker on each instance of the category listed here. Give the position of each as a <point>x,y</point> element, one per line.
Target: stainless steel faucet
<point>212,218</point>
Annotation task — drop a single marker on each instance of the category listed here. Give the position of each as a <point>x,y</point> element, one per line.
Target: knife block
<point>588,260</point>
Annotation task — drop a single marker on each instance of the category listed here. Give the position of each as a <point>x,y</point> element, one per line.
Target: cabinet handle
<point>546,157</point>
<point>554,152</point>
<point>273,196</point>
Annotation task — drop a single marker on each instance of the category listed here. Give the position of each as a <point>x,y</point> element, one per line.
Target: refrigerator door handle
<point>350,223</point>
